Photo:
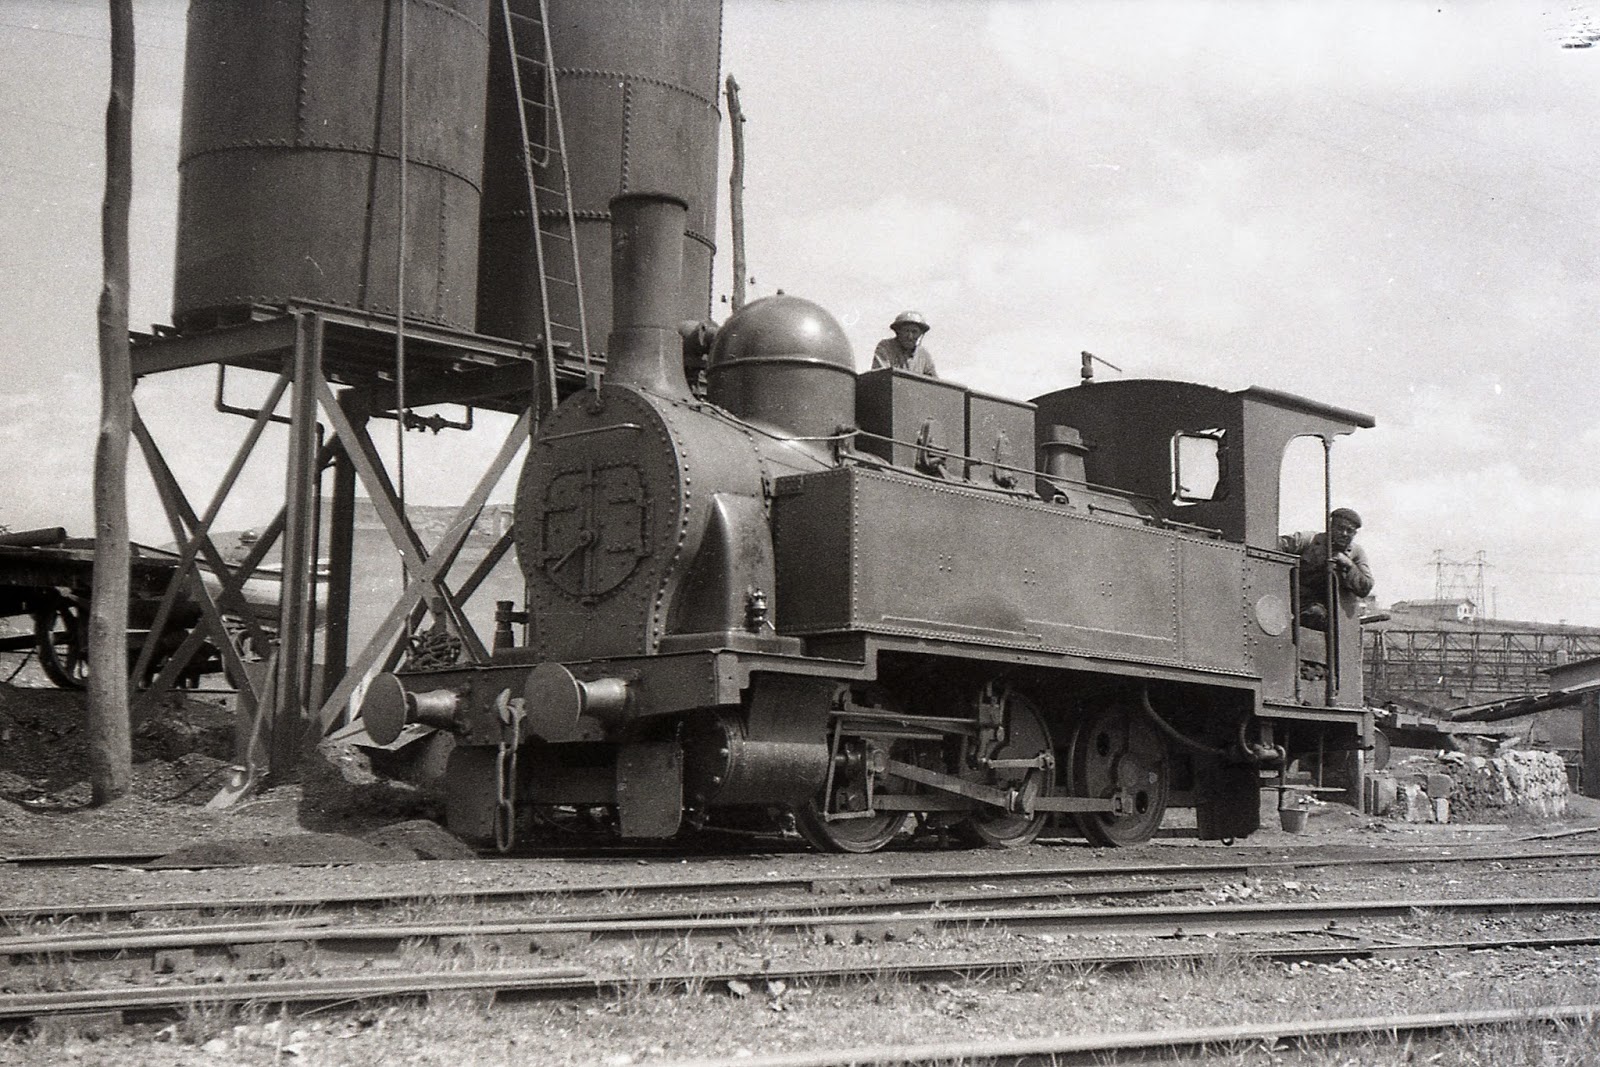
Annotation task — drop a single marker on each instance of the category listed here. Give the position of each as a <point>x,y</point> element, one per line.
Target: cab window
<point>1198,466</point>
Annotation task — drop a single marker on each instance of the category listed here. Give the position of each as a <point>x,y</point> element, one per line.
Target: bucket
<point>1294,819</point>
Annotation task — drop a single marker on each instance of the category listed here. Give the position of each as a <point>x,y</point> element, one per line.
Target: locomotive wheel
<point>865,834</point>
<point>62,632</point>
<point>849,835</point>
<point>1115,748</point>
<point>1026,737</point>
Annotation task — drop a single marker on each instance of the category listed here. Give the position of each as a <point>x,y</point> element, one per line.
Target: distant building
<point>1580,679</point>
<point>1459,610</point>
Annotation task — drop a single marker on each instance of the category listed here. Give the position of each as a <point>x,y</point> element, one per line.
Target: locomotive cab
<point>1212,458</point>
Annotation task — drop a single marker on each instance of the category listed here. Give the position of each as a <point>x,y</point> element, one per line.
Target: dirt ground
<point>182,757</point>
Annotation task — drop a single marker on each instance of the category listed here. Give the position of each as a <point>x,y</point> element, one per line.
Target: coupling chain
<point>512,711</point>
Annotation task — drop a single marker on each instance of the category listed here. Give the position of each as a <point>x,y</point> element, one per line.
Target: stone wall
<point>1456,787</point>
<point>1513,783</point>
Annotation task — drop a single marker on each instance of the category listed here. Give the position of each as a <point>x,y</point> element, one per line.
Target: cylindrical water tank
<point>638,90</point>
<point>290,157</point>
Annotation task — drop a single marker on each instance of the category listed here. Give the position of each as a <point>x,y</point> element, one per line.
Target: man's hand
<point>1343,561</point>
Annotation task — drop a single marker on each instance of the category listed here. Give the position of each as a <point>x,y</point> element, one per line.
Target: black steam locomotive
<point>867,599</point>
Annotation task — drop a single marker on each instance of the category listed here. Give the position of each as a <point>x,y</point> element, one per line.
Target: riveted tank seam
<point>625,77</point>
<point>441,226</point>
<point>278,300</point>
<point>303,90</point>
<point>1031,504</point>
<point>1246,587</point>
<point>646,599</point>
<point>589,215</point>
<point>627,131</point>
<point>1177,589</point>
<point>1080,651</point>
<point>328,146</point>
<point>854,503</point>
<point>447,10</point>
<point>675,448</point>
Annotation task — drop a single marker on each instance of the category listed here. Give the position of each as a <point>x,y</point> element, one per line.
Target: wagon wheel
<point>1112,749</point>
<point>1026,737</point>
<point>866,834</point>
<point>62,632</point>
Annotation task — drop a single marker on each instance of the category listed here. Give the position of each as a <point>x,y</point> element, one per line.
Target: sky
<point>1389,207</point>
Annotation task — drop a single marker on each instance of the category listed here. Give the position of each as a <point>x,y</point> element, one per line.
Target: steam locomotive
<point>876,601</point>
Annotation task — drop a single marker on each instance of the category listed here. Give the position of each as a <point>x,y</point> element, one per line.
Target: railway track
<point>267,945</point>
<point>240,962</point>
<point>148,858</point>
<point>153,1002</point>
<point>1046,880</point>
<point>1162,1046</point>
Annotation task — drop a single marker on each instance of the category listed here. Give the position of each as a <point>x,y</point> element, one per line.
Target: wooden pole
<point>736,191</point>
<point>110,741</point>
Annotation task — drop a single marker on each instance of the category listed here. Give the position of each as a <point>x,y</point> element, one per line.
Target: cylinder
<point>290,161</point>
<point>638,89</point>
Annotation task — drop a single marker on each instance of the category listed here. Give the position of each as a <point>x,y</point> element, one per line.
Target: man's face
<point>1344,532</point>
<point>907,335</point>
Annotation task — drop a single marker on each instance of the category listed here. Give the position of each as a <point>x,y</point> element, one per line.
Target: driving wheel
<point>861,832</point>
<point>1115,749</point>
<point>867,834</point>
<point>1027,737</point>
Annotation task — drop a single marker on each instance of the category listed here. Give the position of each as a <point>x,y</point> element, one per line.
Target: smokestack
<point>645,349</point>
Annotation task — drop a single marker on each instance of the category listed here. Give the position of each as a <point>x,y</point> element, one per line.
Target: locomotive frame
<point>855,599</point>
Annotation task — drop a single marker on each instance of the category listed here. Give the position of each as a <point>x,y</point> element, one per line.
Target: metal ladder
<point>539,116</point>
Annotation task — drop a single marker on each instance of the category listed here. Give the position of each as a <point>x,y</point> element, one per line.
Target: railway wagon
<point>880,600</point>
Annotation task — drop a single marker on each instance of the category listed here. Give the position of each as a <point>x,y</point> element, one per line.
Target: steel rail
<point>162,999</point>
<point>1163,1045</point>
<point>818,887</point>
<point>80,859</point>
<point>106,910</point>
<point>572,982</point>
<point>147,857</point>
<point>519,938</point>
<point>228,938</point>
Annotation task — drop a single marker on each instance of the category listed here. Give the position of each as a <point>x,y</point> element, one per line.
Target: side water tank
<point>289,162</point>
<point>638,90</point>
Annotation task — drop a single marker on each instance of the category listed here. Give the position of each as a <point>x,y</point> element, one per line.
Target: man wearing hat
<point>905,351</point>
<point>1347,559</point>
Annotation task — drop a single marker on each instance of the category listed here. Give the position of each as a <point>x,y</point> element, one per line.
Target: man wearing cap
<point>1347,559</point>
<point>905,351</point>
